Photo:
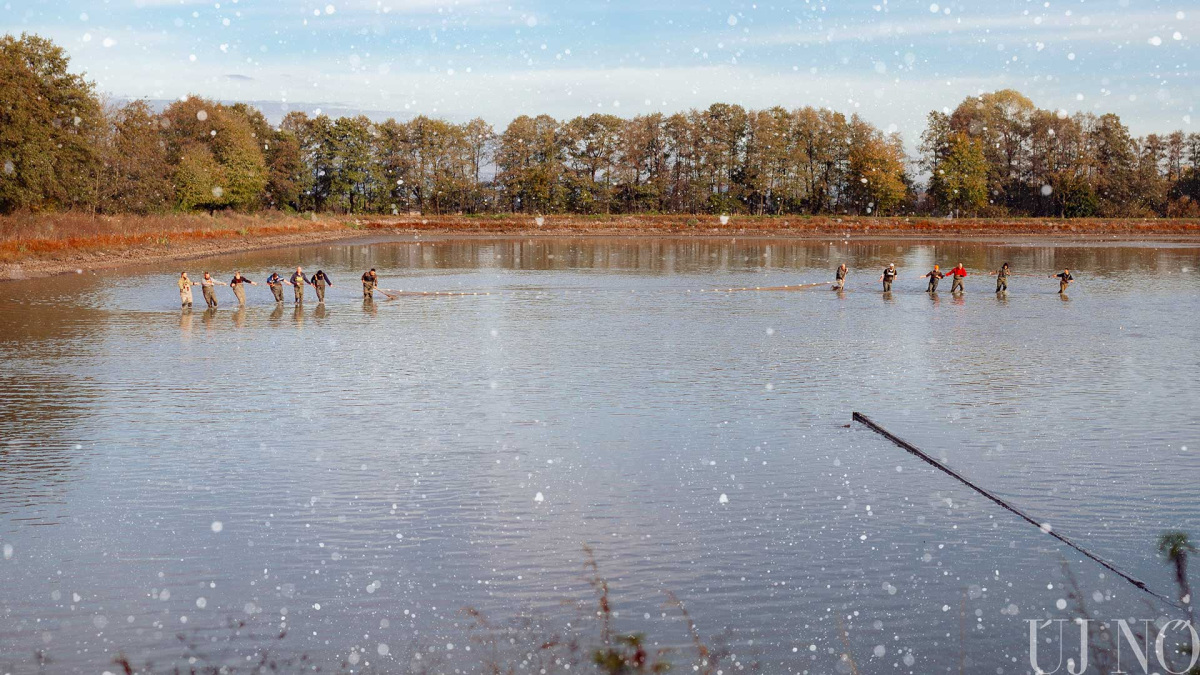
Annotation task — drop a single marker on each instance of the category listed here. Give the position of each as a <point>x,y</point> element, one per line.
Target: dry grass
<point>24,237</point>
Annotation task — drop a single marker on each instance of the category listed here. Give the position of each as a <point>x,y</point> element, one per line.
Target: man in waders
<point>319,281</point>
<point>185,290</point>
<point>839,281</point>
<point>1002,278</point>
<point>275,283</point>
<point>888,276</point>
<point>370,283</point>
<point>236,284</point>
<point>297,281</point>
<point>934,277</point>
<point>1064,279</point>
<point>206,287</point>
<point>959,273</point>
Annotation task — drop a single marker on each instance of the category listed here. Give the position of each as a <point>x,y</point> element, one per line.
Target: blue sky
<point>890,61</point>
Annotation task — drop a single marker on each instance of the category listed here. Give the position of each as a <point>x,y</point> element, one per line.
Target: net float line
<point>766,288</point>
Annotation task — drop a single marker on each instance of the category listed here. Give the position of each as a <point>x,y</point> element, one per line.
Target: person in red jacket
<point>958,273</point>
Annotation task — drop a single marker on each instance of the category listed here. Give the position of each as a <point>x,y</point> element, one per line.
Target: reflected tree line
<point>996,154</point>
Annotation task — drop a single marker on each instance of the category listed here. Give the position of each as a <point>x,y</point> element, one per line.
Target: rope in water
<point>767,288</point>
<point>866,421</point>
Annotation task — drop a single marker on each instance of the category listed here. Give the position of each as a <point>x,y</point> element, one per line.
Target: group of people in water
<point>319,281</point>
<point>370,283</point>
<point>957,274</point>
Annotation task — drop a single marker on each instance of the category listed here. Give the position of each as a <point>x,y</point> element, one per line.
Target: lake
<point>183,488</point>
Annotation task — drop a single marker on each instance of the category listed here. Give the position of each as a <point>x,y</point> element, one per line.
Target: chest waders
<point>210,296</point>
<point>1001,282</point>
<point>277,291</point>
<point>185,295</point>
<point>298,288</point>
<point>956,284</point>
<point>320,284</point>
<point>368,286</point>
<point>240,292</point>
<point>933,284</point>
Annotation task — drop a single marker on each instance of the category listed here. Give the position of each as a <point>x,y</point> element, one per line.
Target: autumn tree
<point>136,177</point>
<point>591,145</point>
<point>999,121</point>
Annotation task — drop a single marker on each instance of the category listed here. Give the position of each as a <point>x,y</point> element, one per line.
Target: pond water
<point>191,485</point>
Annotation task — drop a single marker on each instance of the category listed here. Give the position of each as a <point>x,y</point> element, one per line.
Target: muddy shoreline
<point>84,257</point>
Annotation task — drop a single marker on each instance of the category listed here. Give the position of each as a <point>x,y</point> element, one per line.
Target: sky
<point>889,61</point>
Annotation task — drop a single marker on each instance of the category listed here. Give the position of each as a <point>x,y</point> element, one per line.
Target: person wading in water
<point>236,284</point>
<point>840,278</point>
<point>275,283</point>
<point>319,281</point>
<point>959,273</point>
<point>934,277</point>
<point>370,282</point>
<point>185,290</point>
<point>888,276</point>
<point>297,281</point>
<point>1064,279</point>
<point>206,287</point>
<point>1002,278</point>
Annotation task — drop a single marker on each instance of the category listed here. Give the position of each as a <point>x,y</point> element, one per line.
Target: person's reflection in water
<point>185,320</point>
<point>933,295</point>
<point>209,315</point>
<point>958,298</point>
<point>320,312</point>
<point>277,314</point>
<point>239,317</point>
<point>887,297</point>
<point>1002,297</point>
<point>1064,297</point>
<point>369,306</point>
<point>298,315</point>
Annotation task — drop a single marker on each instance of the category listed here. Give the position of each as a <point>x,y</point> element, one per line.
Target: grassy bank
<point>39,245</point>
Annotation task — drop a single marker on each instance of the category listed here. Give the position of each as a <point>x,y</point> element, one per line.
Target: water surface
<point>374,468</point>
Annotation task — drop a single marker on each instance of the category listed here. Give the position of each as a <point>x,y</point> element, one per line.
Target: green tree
<point>50,128</point>
<point>199,179</point>
<point>353,160</point>
<point>238,171</point>
<point>958,169</point>
<point>530,160</point>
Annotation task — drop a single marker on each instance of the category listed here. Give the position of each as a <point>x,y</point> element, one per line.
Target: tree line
<point>63,148</point>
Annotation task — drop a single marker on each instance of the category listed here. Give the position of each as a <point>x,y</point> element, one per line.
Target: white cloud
<point>1075,27</point>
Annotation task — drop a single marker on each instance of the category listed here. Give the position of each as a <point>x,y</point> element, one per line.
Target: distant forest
<point>996,154</point>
